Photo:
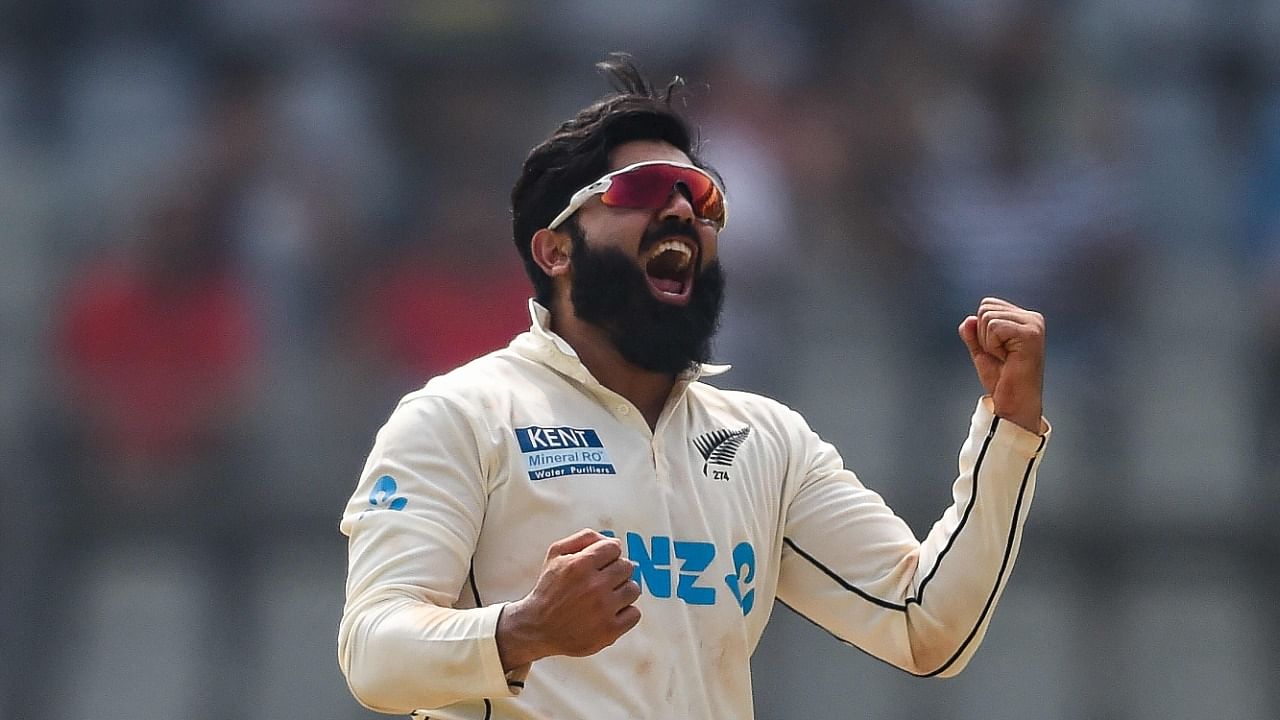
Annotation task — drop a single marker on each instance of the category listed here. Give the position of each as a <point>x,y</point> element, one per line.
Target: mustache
<point>670,227</point>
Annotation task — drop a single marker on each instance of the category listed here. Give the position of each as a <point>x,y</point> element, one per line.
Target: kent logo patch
<point>551,452</point>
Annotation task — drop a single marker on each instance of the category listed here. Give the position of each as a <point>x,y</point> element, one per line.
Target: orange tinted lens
<point>648,187</point>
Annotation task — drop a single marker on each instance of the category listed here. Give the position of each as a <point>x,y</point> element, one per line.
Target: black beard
<point>610,291</point>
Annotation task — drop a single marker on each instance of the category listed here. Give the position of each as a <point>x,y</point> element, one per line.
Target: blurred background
<point>234,232</point>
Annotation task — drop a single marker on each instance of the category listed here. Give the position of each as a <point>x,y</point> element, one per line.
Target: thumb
<point>576,542</point>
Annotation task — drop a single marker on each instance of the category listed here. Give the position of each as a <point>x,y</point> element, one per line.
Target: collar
<point>547,347</point>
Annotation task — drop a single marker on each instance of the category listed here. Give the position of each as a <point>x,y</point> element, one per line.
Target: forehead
<point>642,150</point>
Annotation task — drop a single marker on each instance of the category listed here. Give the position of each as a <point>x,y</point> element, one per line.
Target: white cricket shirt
<point>729,504</point>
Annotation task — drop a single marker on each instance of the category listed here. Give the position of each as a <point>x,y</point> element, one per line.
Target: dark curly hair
<point>577,153</point>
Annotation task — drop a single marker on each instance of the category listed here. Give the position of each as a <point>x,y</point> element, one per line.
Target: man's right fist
<point>580,605</point>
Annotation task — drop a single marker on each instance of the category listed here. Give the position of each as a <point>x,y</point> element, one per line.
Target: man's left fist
<point>1006,343</point>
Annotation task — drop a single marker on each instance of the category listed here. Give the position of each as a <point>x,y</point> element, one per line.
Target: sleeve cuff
<point>1019,438</point>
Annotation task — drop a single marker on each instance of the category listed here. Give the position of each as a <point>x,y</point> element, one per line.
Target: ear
<point>551,251</point>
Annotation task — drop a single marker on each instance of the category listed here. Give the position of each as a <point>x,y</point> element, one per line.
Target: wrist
<point>518,643</point>
<point>1026,421</point>
<point>1027,415</point>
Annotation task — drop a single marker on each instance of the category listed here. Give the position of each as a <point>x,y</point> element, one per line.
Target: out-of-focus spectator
<point>744,143</point>
<point>428,316</point>
<point>157,346</point>
<point>1024,190</point>
<point>453,292</point>
<point>157,350</point>
<point>1008,203</point>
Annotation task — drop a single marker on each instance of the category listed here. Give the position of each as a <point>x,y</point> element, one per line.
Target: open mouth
<point>668,266</point>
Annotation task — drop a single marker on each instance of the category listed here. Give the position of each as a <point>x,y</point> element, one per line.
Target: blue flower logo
<point>383,494</point>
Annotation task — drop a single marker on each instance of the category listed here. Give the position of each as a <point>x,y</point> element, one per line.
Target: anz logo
<point>661,560</point>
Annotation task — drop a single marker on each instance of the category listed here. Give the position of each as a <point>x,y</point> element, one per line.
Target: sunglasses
<point>648,186</point>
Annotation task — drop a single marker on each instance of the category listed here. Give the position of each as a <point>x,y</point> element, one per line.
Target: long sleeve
<point>413,523</point>
<point>852,566</point>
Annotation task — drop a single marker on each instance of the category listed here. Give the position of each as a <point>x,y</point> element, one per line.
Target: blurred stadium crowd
<point>235,232</point>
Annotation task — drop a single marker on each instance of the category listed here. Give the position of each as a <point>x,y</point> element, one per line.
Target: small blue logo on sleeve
<point>384,495</point>
<point>557,451</point>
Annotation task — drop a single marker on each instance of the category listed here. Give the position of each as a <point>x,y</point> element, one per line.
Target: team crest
<point>718,449</point>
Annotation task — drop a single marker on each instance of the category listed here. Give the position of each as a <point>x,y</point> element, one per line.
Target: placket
<point>663,432</point>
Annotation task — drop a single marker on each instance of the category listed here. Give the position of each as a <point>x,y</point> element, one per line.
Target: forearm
<point>968,554</point>
<point>400,654</point>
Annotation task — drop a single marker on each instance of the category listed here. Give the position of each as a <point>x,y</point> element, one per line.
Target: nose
<point>679,206</point>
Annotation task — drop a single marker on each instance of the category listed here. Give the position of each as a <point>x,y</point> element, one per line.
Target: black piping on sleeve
<point>918,598</point>
<point>475,593</point>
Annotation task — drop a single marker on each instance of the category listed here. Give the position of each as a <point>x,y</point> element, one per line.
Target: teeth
<point>686,255</point>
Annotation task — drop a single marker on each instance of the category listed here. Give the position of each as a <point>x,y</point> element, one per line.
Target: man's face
<point>649,278</point>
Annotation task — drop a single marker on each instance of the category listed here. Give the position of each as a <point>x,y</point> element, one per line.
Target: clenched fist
<point>1006,343</point>
<point>580,605</point>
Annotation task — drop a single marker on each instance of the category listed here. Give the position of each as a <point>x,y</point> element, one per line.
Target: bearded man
<point>577,526</point>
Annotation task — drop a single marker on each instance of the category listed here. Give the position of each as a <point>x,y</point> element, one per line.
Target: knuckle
<point>631,592</point>
<point>576,566</point>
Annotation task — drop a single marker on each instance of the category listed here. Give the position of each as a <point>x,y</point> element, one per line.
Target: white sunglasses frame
<point>601,186</point>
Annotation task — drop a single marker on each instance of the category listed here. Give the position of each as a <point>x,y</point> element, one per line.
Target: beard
<point>610,291</point>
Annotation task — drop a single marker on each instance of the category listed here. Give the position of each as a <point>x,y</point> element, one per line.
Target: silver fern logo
<point>718,448</point>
